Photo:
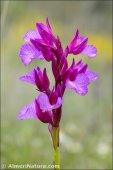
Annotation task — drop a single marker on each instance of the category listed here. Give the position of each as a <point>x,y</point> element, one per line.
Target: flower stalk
<point>56,148</point>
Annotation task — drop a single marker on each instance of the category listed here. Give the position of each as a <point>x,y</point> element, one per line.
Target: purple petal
<point>31,35</point>
<point>79,40</point>
<point>44,48</point>
<point>66,51</point>
<point>79,48</point>
<point>58,103</point>
<point>79,85</point>
<point>73,42</point>
<point>90,51</point>
<point>45,117</point>
<point>91,75</point>
<point>29,78</point>
<point>46,82</point>
<point>45,105</point>
<point>78,43</point>
<point>28,53</point>
<point>28,112</point>
<point>83,69</point>
<point>48,24</point>
<point>41,27</point>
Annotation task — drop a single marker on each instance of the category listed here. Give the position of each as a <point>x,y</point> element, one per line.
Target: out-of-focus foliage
<point>86,132</point>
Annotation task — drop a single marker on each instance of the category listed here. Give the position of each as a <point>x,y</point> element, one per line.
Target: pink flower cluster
<point>42,44</point>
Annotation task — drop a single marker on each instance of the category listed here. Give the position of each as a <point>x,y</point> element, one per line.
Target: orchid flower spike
<point>47,107</point>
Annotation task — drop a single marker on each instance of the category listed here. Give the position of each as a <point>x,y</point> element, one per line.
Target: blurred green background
<point>86,126</point>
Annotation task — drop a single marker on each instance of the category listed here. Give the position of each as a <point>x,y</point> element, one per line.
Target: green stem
<point>56,148</point>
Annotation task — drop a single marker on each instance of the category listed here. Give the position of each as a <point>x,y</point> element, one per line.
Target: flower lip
<point>90,51</point>
<point>28,112</point>
<point>45,117</point>
<point>45,105</point>
<point>28,53</point>
<point>79,85</point>
<point>31,35</point>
